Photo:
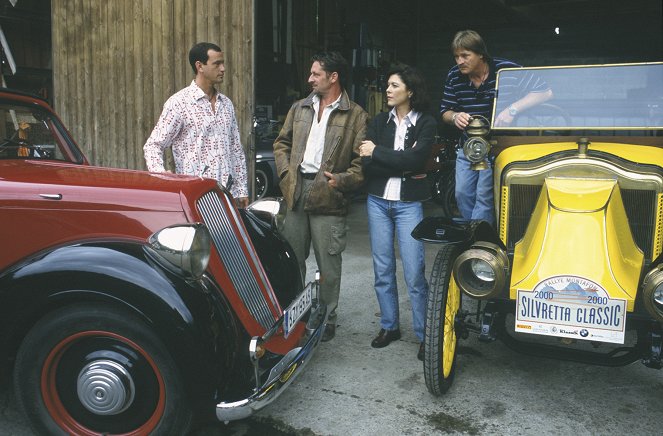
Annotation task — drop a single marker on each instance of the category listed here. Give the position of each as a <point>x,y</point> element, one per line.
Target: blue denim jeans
<point>386,219</point>
<point>474,191</point>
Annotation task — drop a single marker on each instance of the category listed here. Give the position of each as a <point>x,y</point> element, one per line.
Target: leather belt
<point>308,176</point>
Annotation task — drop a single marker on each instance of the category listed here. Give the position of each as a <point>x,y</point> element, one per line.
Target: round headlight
<point>481,271</point>
<point>186,248</point>
<point>658,296</point>
<point>652,292</point>
<point>476,149</point>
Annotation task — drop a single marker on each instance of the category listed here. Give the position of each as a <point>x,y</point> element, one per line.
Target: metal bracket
<point>654,358</point>
<point>487,320</point>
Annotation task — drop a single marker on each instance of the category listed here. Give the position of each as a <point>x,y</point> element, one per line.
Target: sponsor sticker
<point>571,307</point>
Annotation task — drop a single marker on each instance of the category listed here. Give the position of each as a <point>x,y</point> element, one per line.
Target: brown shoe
<point>420,354</point>
<point>385,337</point>
<point>329,333</point>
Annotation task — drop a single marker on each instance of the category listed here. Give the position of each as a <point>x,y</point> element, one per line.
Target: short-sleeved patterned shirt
<point>204,142</point>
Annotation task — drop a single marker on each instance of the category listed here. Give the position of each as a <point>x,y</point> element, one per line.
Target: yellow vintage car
<point>573,269</point>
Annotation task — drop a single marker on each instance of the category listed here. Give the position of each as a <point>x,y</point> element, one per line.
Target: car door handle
<point>51,196</point>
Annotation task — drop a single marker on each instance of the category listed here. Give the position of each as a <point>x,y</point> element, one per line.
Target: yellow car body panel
<point>579,228</point>
<point>635,153</point>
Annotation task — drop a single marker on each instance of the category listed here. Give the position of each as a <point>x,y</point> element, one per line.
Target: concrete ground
<point>350,388</point>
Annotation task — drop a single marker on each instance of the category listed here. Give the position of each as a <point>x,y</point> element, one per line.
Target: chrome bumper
<point>282,374</point>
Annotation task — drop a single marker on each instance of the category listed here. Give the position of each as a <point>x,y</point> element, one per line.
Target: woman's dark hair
<point>199,53</point>
<point>333,61</point>
<point>416,84</point>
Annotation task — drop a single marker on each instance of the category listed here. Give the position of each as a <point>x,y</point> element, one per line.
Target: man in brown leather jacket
<point>317,158</point>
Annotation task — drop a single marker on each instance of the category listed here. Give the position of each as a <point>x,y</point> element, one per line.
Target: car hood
<point>95,188</point>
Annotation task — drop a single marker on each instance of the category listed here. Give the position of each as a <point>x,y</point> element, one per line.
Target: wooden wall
<point>115,62</point>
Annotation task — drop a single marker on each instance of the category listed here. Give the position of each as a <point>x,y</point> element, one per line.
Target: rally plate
<point>571,307</point>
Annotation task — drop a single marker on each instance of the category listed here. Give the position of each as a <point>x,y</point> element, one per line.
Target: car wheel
<point>262,183</point>
<point>93,370</point>
<point>440,338</point>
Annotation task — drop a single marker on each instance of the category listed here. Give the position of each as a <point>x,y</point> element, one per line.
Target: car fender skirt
<point>443,230</point>
<point>584,234</point>
<point>186,314</point>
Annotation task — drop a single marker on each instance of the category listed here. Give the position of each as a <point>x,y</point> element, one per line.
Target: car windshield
<point>599,97</point>
<point>29,132</point>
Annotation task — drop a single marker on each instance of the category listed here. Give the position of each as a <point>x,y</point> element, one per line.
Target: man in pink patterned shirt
<point>199,125</point>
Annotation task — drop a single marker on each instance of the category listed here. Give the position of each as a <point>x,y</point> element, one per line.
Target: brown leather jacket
<point>345,131</point>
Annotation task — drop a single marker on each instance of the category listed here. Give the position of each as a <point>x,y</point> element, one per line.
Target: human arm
<point>352,177</point>
<point>238,170</point>
<point>505,117</point>
<point>452,113</point>
<point>283,145</point>
<point>166,129</point>
<point>384,160</point>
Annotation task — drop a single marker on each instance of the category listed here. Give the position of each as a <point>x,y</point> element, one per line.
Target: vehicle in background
<point>267,180</point>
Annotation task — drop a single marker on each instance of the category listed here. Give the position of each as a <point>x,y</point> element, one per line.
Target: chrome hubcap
<point>105,387</point>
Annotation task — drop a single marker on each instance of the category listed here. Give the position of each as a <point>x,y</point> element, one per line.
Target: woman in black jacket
<point>398,144</point>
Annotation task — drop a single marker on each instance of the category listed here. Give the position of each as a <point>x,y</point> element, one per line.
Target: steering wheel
<point>544,115</point>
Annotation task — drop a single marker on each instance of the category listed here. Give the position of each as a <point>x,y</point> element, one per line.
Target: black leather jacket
<point>407,164</point>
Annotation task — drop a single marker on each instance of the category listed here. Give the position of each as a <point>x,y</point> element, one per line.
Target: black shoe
<point>385,337</point>
<point>329,333</point>
<point>420,354</point>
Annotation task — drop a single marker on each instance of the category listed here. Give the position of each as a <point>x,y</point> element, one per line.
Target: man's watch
<point>513,111</point>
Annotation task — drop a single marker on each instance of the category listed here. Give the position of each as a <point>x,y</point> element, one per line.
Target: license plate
<point>571,307</point>
<point>297,309</point>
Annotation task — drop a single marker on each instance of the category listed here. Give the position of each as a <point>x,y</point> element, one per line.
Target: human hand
<point>366,148</point>
<point>242,202</point>
<point>332,182</point>
<point>504,118</point>
<point>461,120</point>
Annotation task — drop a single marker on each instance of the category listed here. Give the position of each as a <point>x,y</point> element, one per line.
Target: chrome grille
<point>640,206</point>
<point>235,262</point>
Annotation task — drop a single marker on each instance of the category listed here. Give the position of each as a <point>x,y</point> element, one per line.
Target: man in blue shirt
<point>469,91</point>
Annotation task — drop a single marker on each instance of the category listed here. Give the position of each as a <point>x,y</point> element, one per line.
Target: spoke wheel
<point>262,183</point>
<point>441,340</point>
<point>91,370</point>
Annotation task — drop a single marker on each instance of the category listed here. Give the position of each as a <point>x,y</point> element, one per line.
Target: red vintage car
<point>136,303</point>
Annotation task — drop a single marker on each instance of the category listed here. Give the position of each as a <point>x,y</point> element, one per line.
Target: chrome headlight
<point>270,210</point>
<point>652,292</point>
<point>185,247</point>
<point>481,271</point>
<point>476,151</point>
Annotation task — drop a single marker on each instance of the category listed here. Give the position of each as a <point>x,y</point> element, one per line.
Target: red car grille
<point>227,244</point>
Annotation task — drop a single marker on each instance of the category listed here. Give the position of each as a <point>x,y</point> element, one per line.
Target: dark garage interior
<point>374,34</point>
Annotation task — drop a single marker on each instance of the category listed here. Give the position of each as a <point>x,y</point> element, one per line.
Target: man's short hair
<point>333,62</point>
<point>199,53</point>
<point>470,40</point>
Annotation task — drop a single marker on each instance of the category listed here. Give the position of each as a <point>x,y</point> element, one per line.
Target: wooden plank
<point>180,48</point>
<point>116,62</point>
<point>58,53</point>
<point>141,129</point>
<point>87,77</point>
<point>201,22</point>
